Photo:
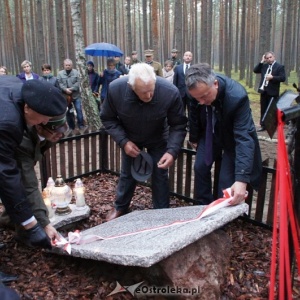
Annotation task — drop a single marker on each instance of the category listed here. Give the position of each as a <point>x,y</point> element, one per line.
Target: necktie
<point>208,137</point>
<point>186,68</point>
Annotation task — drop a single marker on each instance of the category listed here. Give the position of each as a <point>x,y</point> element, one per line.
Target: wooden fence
<point>96,152</point>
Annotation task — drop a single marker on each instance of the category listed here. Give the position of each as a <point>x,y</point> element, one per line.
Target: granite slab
<point>147,240</point>
<point>76,215</point>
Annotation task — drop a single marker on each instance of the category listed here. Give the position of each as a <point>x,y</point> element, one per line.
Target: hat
<point>141,167</point>
<point>149,52</point>
<point>90,63</point>
<point>57,124</point>
<point>134,52</point>
<point>44,98</point>
<point>174,51</point>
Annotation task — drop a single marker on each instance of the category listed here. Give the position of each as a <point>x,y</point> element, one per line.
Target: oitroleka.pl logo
<point>138,289</point>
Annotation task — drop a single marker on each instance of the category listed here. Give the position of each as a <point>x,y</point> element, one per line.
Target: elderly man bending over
<point>144,111</point>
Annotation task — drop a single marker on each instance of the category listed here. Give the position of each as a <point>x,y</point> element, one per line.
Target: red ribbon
<point>283,218</point>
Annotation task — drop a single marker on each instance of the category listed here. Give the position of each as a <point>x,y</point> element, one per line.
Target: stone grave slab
<point>143,247</point>
<point>76,215</point>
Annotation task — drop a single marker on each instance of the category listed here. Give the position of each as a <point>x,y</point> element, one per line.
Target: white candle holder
<point>79,191</point>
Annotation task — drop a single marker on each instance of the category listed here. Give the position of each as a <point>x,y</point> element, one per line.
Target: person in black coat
<point>48,76</point>
<point>93,77</point>
<point>232,134</point>
<point>179,78</point>
<point>138,115</point>
<point>272,73</point>
<point>21,105</point>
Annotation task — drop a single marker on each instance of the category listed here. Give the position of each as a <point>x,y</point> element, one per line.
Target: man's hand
<point>166,161</point>
<point>132,149</point>
<point>51,232</point>
<point>269,77</point>
<point>37,236</point>
<point>238,191</point>
<point>263,59</point>
<point>193,145</point>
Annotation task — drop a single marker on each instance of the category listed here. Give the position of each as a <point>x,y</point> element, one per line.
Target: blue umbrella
<point>103,49</point>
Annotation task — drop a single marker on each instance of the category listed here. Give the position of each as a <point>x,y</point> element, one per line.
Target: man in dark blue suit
<point>179,78</point>
<point>272,73</point>
<point>221,122</point>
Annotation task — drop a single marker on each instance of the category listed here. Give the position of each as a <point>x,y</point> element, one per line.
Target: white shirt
<point>184,67</point>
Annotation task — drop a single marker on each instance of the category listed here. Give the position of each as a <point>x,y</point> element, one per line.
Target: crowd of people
<point>144,107</point>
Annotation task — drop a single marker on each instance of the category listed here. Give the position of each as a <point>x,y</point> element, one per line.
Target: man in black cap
<point>176,61</point>
<point>21,105</point>
<point>36,140</point>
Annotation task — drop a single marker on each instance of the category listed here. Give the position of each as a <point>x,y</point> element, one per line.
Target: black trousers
<point>265,100</point>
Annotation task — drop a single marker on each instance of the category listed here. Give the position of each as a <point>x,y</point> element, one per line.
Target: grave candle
<point>79,191</point>
<point>47,201</point>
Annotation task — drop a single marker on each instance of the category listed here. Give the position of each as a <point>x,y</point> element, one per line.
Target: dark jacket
<point>94,81</point>
<point>106,79</point>
<point>234,129</point>
<point>278,73</point>
<point>121,68</point>
<point>176,61</point>
<point>162,120</point>
<point>12,126</point>
<point>27,154</point>
<point>23,78</point>
<point>51,79</point>
<point>179,80</point>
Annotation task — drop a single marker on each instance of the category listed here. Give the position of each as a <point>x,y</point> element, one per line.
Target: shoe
<point>113,214</point>
<point>261,129</point>
<point>2,246</point>
<point>5,278</point>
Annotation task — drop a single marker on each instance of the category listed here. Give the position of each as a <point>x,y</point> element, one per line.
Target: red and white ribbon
<point>77,238</point>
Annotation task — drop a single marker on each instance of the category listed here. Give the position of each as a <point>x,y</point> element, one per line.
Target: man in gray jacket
<point>69,83</point>
<point>144,111</point>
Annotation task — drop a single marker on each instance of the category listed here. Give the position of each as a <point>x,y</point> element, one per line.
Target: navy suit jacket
<point>179,80</point>
<point>234,130</point>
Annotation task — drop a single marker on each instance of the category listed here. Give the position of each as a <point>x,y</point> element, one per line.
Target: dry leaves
<point>46,276</point>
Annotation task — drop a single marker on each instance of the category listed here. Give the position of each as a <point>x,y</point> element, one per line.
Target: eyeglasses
<point>60,129</point>
<point>46,129</point>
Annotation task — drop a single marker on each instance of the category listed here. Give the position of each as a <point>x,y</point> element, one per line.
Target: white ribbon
<point>77,238</point>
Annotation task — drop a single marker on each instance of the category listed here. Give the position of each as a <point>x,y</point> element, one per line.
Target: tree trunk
<point>40,36</point>
<point>145,27</point>
<point>242,33</point>
<point>154,31</point>
<point>89,102</point>
<point>178,26</point>
<point>129,30</point>
<point>61,32</point>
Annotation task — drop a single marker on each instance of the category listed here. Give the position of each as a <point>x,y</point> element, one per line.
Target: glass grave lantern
<point>61,195</point>
<point>79,191</point>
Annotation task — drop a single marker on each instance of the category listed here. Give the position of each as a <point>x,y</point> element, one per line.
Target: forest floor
<point>47,276</point>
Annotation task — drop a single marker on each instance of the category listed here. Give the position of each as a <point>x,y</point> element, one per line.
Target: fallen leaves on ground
<point>47,276</point>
